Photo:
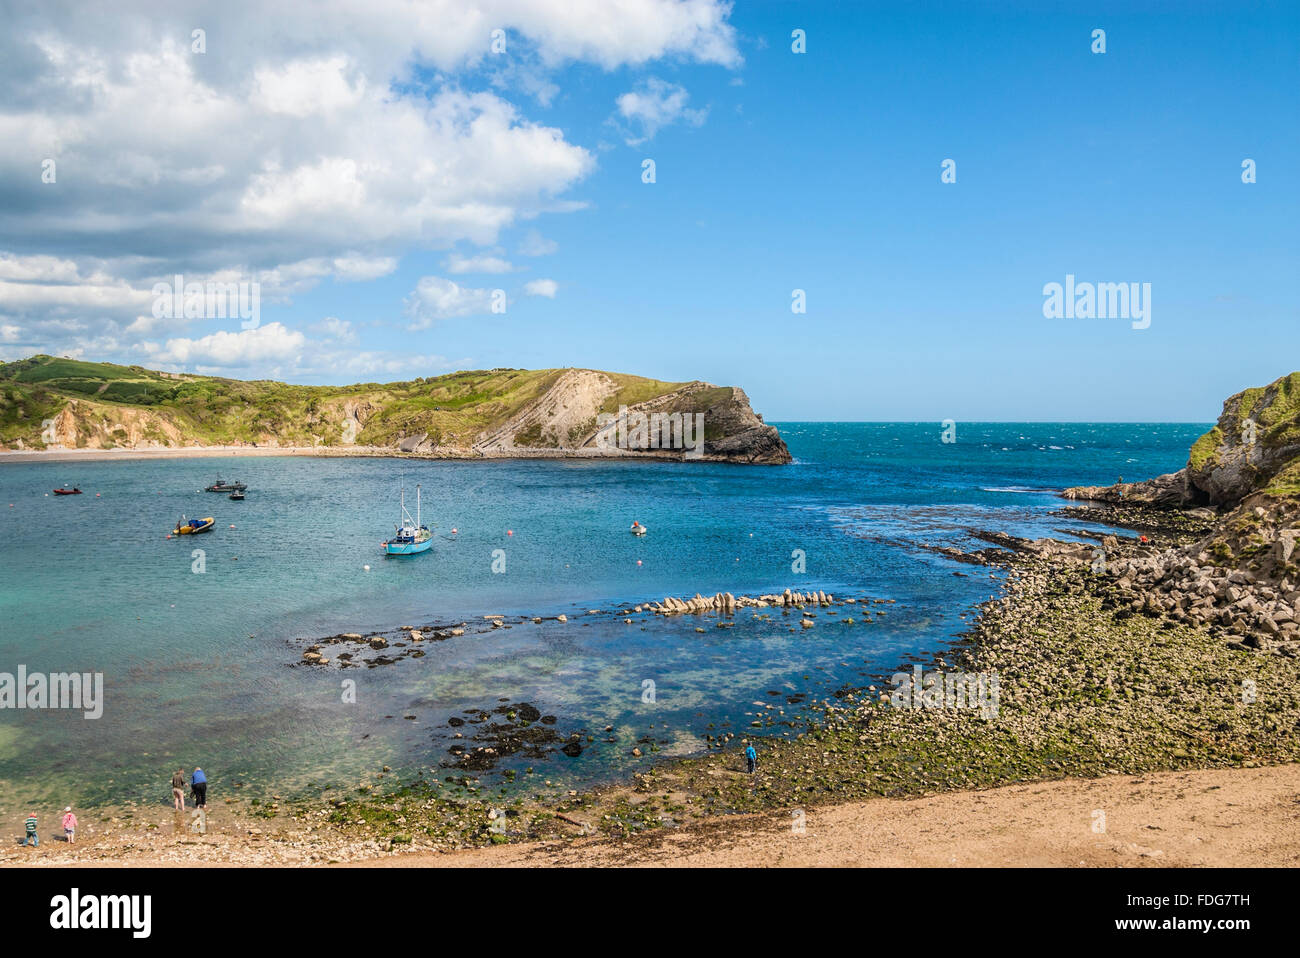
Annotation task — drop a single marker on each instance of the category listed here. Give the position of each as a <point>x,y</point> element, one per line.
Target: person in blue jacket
<point>199,786</point>
<point>751,757</point>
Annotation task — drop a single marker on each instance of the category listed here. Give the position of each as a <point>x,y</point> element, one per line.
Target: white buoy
<point>366,567</point>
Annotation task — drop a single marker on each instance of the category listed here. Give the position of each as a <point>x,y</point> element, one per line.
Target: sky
<point>419,188</point>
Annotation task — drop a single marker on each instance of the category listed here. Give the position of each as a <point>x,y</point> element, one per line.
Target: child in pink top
<point>70,825</point>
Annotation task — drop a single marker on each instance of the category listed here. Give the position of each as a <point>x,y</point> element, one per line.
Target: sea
<point>199,640</point>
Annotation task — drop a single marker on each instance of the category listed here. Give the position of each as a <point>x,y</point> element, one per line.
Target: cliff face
<point>1254,449</point>
<point>1247,468</point>
<point>47,402</point>
<point>584,415</point>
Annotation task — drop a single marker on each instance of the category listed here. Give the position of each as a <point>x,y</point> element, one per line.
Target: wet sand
<point>188,452</point>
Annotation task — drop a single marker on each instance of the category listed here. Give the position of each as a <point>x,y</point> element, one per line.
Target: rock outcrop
<point>1255,443</point>
<point>1254,448</point>
<point>566,421</point>
<point>1244,575</point>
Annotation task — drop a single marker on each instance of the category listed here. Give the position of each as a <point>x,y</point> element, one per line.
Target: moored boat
<point>222,486</point>
<point>237,495</point>
<point>411,537</point>
<point>67,492</point>
<point>189,527</point>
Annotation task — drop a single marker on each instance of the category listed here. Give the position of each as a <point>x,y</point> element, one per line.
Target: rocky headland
<point>49,404</point>
<point>1240,576</point>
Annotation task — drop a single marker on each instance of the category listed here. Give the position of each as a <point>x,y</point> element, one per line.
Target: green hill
<point>47,401</point>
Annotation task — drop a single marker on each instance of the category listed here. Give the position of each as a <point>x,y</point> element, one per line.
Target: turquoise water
<point>201,668</point>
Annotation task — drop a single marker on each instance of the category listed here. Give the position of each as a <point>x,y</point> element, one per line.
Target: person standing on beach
<point>178,789</point>
<point>751,758</point>
<point>199,785</point>
<point>30,835</point>
<point>70,826</point>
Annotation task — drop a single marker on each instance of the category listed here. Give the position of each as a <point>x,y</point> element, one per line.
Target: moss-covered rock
<point>1256,439</point>
<point>1253,448</point>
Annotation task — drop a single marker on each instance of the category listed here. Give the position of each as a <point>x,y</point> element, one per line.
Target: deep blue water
<point>198,666</point>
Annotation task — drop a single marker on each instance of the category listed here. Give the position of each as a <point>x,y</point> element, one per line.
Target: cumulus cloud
<point>47,268</point>
<point>542,287</point>
<point>293,139</point>
<point>313,140</point>
<point>273,351</point>
<point>270,343</point>
<point>435,298</point>
<point>654,105</point>
<point>338,330</point>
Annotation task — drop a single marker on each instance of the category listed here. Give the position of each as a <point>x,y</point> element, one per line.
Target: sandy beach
<point>184,452</point>
<point>1247,817</point>
<point>1235,817</point>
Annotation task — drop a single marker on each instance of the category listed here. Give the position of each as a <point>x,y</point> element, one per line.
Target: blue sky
<point>775,171</point>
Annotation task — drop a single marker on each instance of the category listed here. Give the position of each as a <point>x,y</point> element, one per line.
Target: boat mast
<point>417,505</point>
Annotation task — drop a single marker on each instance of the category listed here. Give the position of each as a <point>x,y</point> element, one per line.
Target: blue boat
<point>411,537</point>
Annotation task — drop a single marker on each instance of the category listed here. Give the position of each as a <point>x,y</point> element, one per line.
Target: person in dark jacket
<point>199,786</point>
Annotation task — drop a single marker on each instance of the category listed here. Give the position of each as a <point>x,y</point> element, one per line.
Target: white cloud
<point>306,87</point>
<point>270,343</point>
<point>358,268</point>
<point>435,298</point>
<point>58,296</point>
<point>48,268</point>
<point>338,330</point>
<point>305,124</point>
<point>314,139</point>
<point>355,365</point>
<point>534,244</point>
<point>655,105</point>
<point>542,287</point>
<point>484,263</point>
<point>92,294</point>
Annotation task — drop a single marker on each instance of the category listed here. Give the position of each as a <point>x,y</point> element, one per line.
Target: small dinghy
<point>190,527</point>
<point>638,529</point>
<point>412,537</point>
<point>67,492</point>
<point>237,495</point>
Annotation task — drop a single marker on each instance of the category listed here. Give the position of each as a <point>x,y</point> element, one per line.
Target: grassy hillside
<point>114,405</point>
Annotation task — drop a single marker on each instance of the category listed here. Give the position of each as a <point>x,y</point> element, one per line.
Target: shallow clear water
<point>200,668</point>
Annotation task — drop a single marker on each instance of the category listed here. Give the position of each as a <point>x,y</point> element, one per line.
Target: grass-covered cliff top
<point>103,404</point>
